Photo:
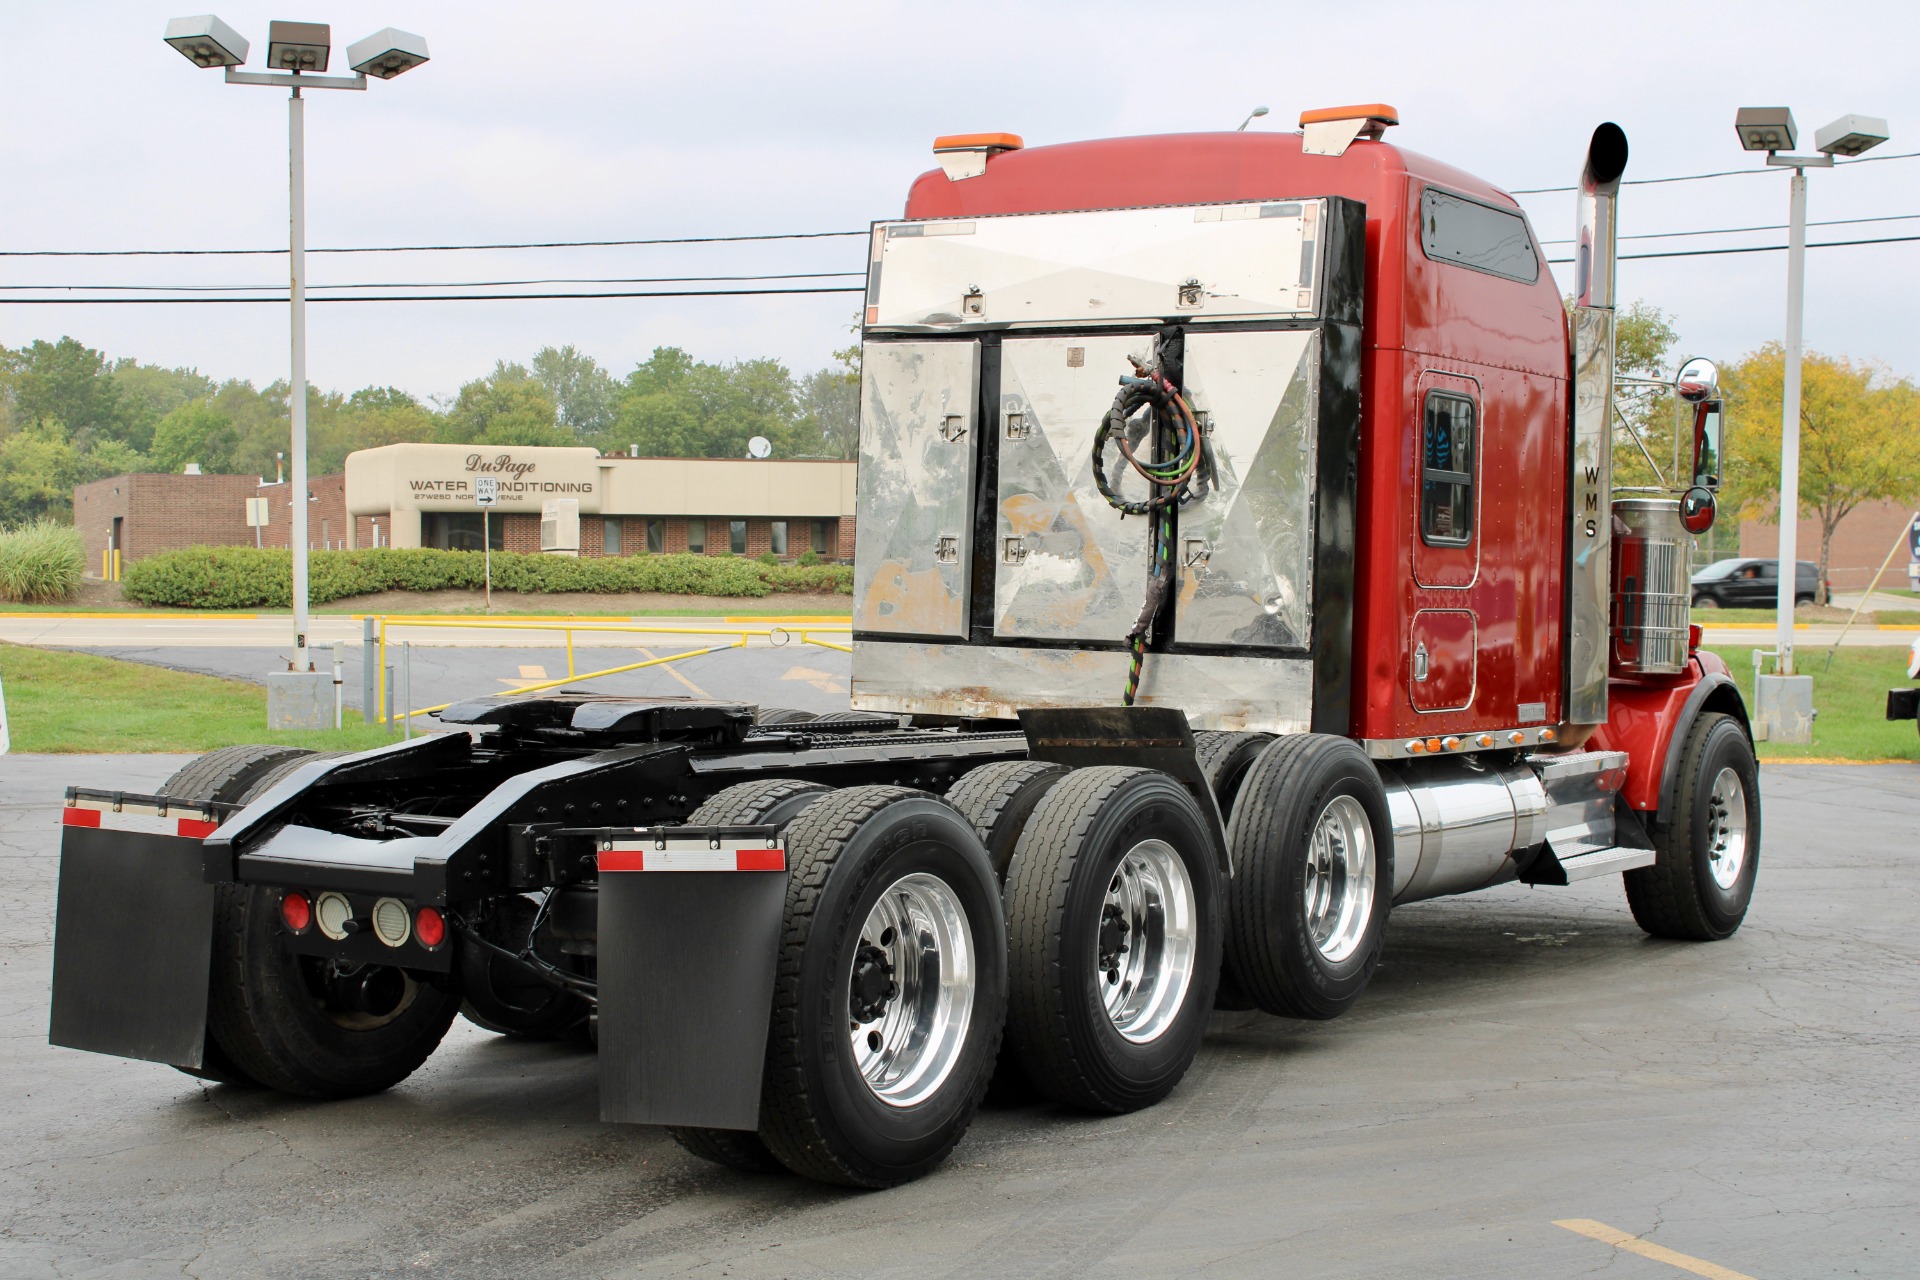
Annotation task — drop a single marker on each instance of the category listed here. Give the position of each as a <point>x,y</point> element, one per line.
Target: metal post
<point>1790,424</point>
<point>369,706</point>
<point>339,679</point>
<point>486,546</point>
<point>389,699</point>
<point>297,253</point>
<point>406,690</point>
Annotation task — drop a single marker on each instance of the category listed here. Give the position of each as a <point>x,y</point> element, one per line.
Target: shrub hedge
<point>250,578</point>
<point>40,562</point>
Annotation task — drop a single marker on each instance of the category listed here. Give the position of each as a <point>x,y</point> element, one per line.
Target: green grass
<point>1851,699</point>
<point>76,702</point>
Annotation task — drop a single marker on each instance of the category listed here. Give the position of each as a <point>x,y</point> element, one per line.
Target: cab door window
<point>1447,439</point>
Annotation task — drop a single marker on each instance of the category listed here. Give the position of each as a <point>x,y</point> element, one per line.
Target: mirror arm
<point>1632,431</point>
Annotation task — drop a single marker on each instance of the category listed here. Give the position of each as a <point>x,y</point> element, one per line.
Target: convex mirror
<point>1696,510</point>
<point>1698,379</point>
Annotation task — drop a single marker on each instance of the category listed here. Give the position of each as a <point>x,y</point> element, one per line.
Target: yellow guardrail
<point>741,637</point>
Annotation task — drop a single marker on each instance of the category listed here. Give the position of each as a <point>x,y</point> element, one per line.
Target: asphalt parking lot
<point>1524,1057</point>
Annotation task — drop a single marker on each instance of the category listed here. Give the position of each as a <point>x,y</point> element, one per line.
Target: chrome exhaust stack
<point>1589,548</point>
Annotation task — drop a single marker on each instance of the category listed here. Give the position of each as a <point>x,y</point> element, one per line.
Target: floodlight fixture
<point>1765,128</point>
<point>206,41</point>
<point>1251,117</point>
<point>1850,135</point>
<point>298,46</point>
<point>386,53</point>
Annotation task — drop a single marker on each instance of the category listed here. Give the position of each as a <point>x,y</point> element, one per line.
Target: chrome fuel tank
<point>1457,825</point>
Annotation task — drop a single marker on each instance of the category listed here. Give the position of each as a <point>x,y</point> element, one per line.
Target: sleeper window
<point>1446,470</point>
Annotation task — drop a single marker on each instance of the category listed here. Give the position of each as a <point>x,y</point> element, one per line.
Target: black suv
<point>1751,584</point>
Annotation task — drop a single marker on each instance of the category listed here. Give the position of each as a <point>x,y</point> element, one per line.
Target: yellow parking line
<point>1634,1244</point>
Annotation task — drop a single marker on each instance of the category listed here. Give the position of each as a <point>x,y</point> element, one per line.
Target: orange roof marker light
<point>1331,130</point>
<point>965,155</point>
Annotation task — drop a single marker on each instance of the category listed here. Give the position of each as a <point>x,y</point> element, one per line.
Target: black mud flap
<point>133,937</point>
<point>689,935</point>
<point>1148,737</point>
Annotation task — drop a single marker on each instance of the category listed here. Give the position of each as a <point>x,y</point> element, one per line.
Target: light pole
<point>298,51</point>
<point>1771,129</point>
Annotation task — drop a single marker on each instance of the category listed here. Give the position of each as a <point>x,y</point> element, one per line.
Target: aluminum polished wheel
<point>1338,887</point>
<point>1147,941</point>
<point>1727,829</point>
<point>910,988</point>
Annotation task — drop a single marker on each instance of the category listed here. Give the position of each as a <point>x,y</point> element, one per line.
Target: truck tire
<point>1312,877</point>
<point>1708,856</point>
<point>882,1038</point>
<point>777,800</point>
<point>500,996</point>
<point>226,774</point>
<point>1114,937</point>
<point>998,799</point>
<point>276,1018</point>
<point>1224,760</point>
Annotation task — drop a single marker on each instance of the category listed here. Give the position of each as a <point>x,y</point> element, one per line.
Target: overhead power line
<point>1777,226</point>
<point>440,284</point>
<point>1698,177</point>
<point>1757,248</point>
<point>419,248</point>
<point>429,297</point>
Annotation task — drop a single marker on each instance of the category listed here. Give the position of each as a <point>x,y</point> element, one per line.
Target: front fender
<point>1650,722</point>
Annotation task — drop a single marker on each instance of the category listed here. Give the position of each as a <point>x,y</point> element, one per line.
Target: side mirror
<point>1696,510</point>
<point>1698,379</point>
<point>1706,444</point>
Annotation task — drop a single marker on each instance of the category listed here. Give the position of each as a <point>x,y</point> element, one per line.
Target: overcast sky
<point>573,120</point>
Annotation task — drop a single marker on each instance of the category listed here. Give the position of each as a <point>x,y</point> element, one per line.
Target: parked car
<point>1749,583</point>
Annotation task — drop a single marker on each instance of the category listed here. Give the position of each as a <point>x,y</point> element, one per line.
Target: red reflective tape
<point>72,817</point>
<point>623,860</point>
<point>198,828</point>
<point>761,859</point>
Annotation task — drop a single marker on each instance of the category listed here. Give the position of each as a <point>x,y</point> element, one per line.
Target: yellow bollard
<point>116,564</point>
<point>569,653</point>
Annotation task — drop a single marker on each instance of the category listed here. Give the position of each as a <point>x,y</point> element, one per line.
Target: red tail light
<point>430,927</point>
<point>296,911</point>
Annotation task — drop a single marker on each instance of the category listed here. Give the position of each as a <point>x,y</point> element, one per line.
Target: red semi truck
<point>1238,558</point>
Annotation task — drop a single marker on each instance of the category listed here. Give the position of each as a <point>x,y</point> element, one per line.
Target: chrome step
<point>1600,862</point>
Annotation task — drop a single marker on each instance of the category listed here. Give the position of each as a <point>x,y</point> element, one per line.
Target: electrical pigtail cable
<point>1151,411</point>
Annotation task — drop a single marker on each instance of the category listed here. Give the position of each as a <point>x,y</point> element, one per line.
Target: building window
<point>823,537</point>
<point>656,536</point>
<point>697,537</point>
<point>777,537</point>
<point>1446,470</point>
<point>459,530</point>
<point>610,538</point>
<point>737,537</point>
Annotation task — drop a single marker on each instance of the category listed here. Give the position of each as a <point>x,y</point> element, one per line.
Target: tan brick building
<point>415,495</point>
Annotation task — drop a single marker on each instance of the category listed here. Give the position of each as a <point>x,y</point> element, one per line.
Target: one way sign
<point>486,490</point>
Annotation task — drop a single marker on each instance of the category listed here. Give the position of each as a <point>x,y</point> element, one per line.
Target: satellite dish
<point>759,447</point>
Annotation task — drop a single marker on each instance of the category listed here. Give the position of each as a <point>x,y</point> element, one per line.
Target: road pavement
<point>1524,1057</point>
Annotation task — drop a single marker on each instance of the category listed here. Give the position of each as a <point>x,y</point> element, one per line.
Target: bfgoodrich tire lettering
<point>1084,1017</point>
<point>1301,788</point>
<point>818,1113</point>
<point>1708,855</point>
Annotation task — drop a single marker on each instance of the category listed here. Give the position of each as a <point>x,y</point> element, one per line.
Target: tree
<point>828,401</point>
<point>507,407</point>
<point>1643,339</point>
<point>677,407</point>
<point>149,393</point>
<point>195,432</point>
<point>109,458</point>
<point>1859,438</point>
<point>67,383</point>
<point>586,395</point>
<point>38,467</point>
